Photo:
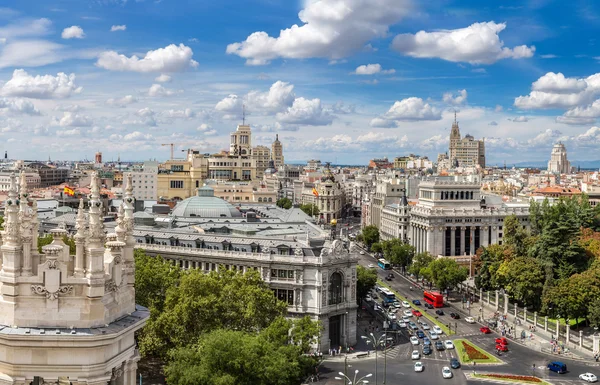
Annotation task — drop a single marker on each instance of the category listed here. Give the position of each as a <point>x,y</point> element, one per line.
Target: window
<point>176,167</point>
<point>282,275</point>
<point>284,295</point>
<point>335,289</point>
<point>176,184</point>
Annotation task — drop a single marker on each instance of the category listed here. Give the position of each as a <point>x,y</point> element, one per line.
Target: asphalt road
<point>400,367</point>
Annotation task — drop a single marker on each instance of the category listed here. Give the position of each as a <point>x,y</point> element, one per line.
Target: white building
<point>145,182</point>
<point>559,164</point>
<point>33,180</point>
<point>68,319</point>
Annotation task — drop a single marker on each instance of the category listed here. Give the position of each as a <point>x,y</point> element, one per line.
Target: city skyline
<point>123,77</point>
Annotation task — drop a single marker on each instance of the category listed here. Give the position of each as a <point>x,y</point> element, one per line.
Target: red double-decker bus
<point>433,298</point>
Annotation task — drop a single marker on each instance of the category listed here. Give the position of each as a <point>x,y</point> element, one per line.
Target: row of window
<point>453,195</point>
<point>282,274</point>
<point>176,184</point>
<point>284,295</point>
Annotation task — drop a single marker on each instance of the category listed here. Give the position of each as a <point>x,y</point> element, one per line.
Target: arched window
<point>260,199</point>
<point>462,195</point>
<point>270,199</point>
<point>335,288</point>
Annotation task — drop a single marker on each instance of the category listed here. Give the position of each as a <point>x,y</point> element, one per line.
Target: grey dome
<point>205,205</point>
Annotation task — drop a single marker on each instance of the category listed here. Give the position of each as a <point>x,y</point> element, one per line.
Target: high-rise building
<point>145,182</point>
<point>559,164</point>
<point>241,141</point>
<point>98,157</point>
<point>261,155</point>
<point>277,152</point>
<point>465,152</point>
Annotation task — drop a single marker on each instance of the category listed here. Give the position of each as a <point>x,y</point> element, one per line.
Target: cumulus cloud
<point>407,110</point>
<point>163,78</point>
<point>172,58</point>
<point>68,133</point>
<point>158,90</point>
<point>492,123</point>
<point>554,90</point>
<point>435,142</point>
<point>278,98</point>
<point>498,108</point>
<point>69,107</point>
<point>204,127</point>
<point>40,87</point>
<point>73,32</point>
<point>115,28</point>
<point>372,69</point>
<point>330,29</point>
<point>122,102</point>
<point>71,119</point>
<point>544,138</point>
<point>137,136</point>
<point>340,108</point>
<point>306,111</point>
<point>455,100</point>
<point>581,115</point>
<point>370,141</point>
<point>575,121</point>
<point>520,119</point>
<point>17,106</point>
<point>478,43</point>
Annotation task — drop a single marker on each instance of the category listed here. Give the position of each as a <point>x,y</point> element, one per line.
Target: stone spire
<point>96,225</point>
<point>80,226</point>
<point>128,204</point>
<point>12,234</point>
<point>26,226</point>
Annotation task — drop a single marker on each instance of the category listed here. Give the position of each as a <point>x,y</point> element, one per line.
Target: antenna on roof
<point>243,114</point>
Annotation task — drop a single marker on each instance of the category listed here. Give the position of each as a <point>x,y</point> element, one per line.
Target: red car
<point>501,341</point>
<point>485,330</point>
<point>502,348</point>
<point>416,313</point>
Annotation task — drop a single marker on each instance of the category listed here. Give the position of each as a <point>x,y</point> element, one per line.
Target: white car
<point>470,320</point>
<point>419,366</point>
<point>405,304</point>
<point>438,330</point>
<point>362,252</point>
<point>391,316</point>
<point>448,344</point>
<point>407,313</point>
<point>405,319</point>
<point>425,326</point>
<point>402,324</point>
<point>433,336</point>
<point>368,298</point>
<point>370,265</point>
<point>415,355</point>
<point>396,304</point>
<point>414,340</point>
<point>587,377</point>
<point>446,372</point>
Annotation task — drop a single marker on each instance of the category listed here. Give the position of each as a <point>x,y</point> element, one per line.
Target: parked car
<point>414,340</point>
<point>419,366</point>
<point>485,330</point>
<point>428,305</point>
<point>454,363</point>
<point>438,330</point>
<point>448,344</point>
<point>439,312</point>
<point>501,348</point>
<point>416,313</point>
<point>391,316</point>
<point>501,341</point>
<point>588,377</point>
<point>415,355</point>
<point>405,319</point>
<point>446,372</point>
<point>454,316</point>
<point>362,252</point>
<point>433,336</point>
<point>439,345</point>
<point>416,302</point>
<point>427,350</point>
<point>557,367</point>
<point>470,320</point>
<point>420,334</point>
<point>388,278</point>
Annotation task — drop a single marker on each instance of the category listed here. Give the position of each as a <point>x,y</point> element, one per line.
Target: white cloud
<point>18,106</point>
<point>407,110</point>
<point>478,43</point>
<point>71,119</point>
<point>158,90</point>
<point>210,132</point>
<point>305,111</point>
<point>371,141</point>
<point>498,108</point>
<point>122,102</point>
<point>73,32</point>
<point>40,87</point>
<point>479,70</point>
<point>548,56</point>
<point>435,142</point>
<point>66,133</point>
<point>546,137</point>
<point>137,136</point>
<point>279,97</point>
<point>178,114</point>
<point>372,69</point>
<point>575,121</point>
<point>493,123</point>
<point>341,109</point>
<point>115,28</point>
<point>26,28</point>
<point>172,58</point>
<point>11,125</point>
<point>520,119</point>
<point>554,90</point>
<point>163,78</point>
<point>69,107</point>
<point>457,100</point>
<point>330,29</point>
<point>204,127</point>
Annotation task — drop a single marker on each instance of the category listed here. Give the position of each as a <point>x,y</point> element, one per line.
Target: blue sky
<point>338,80</point>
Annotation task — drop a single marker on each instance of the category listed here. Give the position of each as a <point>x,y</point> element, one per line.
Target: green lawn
<point>423,311</point>
<point>464,357</point>
<point>516,381</point>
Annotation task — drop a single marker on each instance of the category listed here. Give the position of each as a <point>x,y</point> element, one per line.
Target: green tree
<point>398,252</point>
<point>446,273</point>
<point>573,296</point>
<point>377,247</point>
<point>205,302</point>
<point>420,262</point>
<point>284,203</point>
<point>523,279</point>
<point>370,235</point>
<point>365,281</point>
<point>487,262</point>
<point>310,209</point>
<point>515,235</point>
<point>594,312</point>
<point>153,278</point>
<point>43,241</point>
<point>1,223</point>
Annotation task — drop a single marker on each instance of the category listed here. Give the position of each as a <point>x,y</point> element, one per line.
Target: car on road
<point>396,304</point>
<point>414,340</point>
<point>419,366</point>
<point>454,363</point>
<point>557,367</point>
<point>374,294</point>
<point>420,334</point>
<point>402,324</point>
<point>433,336</point>
<point>427,350</point>
<point>371,266</point>
<point>588,377</point>
<point>416,302</point>
<point>416,313</point>
<point>412,325</point>
<point>368,298</point>
<point>407,313</point>
<point>426,341</point>
<point>446,372</point>
<point>448,344</point>
<point>470,320</point>
<point>501,341</point>
<point>428,305</point>
<point>439,312</point>
<point>425,326</point>
<point>415,355</point>
<point>439,345</point>
<point>405,304</point>
<point>388,278</point>
<point>438,330</point>
<point>391,316</point>
<point>454,316</point>
<point>485,330</point>
<point>378,289</point>
<point>405,319</point>
<point>501,348</point>
<point>362,252</point>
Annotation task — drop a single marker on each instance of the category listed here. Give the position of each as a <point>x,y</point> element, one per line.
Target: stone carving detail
<point>354,248</point>
<point>325,252</point>
<point>111,286</point>
<point>266,250</point>
<point>51,295</point>
<point>116,373</point>
<point>52,263</point>
<point>298,252</point>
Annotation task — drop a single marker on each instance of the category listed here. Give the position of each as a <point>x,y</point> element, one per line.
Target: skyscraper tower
<point>98,157</point>
<point>454,139</point>
<point>277,152</point>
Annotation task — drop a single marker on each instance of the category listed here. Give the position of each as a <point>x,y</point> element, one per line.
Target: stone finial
<point>23,190</point>
<point>12,233</point>
<point>96,225</point>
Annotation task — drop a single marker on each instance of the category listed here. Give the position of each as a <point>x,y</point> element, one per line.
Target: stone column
<point>463,231</point>
<point>505,303</point>
<point>27,269</point>
<point>516,311</point>
<point>452,240</point>
<point>472,241</point>
<point>535,318</point>
<point>488,297</point>
<point>525,314</point>
<point>485,239</point>
<point>545,323</point>
<point>568,333</point>
<point>581,338</point>
<point>497,300</point>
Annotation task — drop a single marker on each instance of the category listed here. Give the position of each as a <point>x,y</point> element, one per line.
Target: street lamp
<point>354,381</point>
<point>376,341</point>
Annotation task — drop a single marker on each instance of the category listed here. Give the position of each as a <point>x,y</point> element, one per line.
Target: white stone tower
<point>559,164</point>
<point>68,319</point>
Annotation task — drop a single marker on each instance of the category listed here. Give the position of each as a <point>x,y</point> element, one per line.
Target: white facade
<point>33,180</point>
<point>68,317</point>
<point>559,164</point>
<point>145,182</point>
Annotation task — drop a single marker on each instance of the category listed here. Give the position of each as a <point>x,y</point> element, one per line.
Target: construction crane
<point>172,147</point>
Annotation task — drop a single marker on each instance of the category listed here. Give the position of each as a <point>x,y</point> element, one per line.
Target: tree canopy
<point>420,262</point>
<point>446,273</point>
<point>365,281</point>
<point>284,203</point>
<point>310,209</point>
<point>153,278</point>
<point>370,235</point>
<point>398,252</point>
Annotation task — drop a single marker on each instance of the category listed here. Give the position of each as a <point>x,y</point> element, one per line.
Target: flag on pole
<point>69,191</point>
<point>315,192</point>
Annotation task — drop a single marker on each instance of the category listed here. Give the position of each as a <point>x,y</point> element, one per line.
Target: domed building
<point>205,205</point>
